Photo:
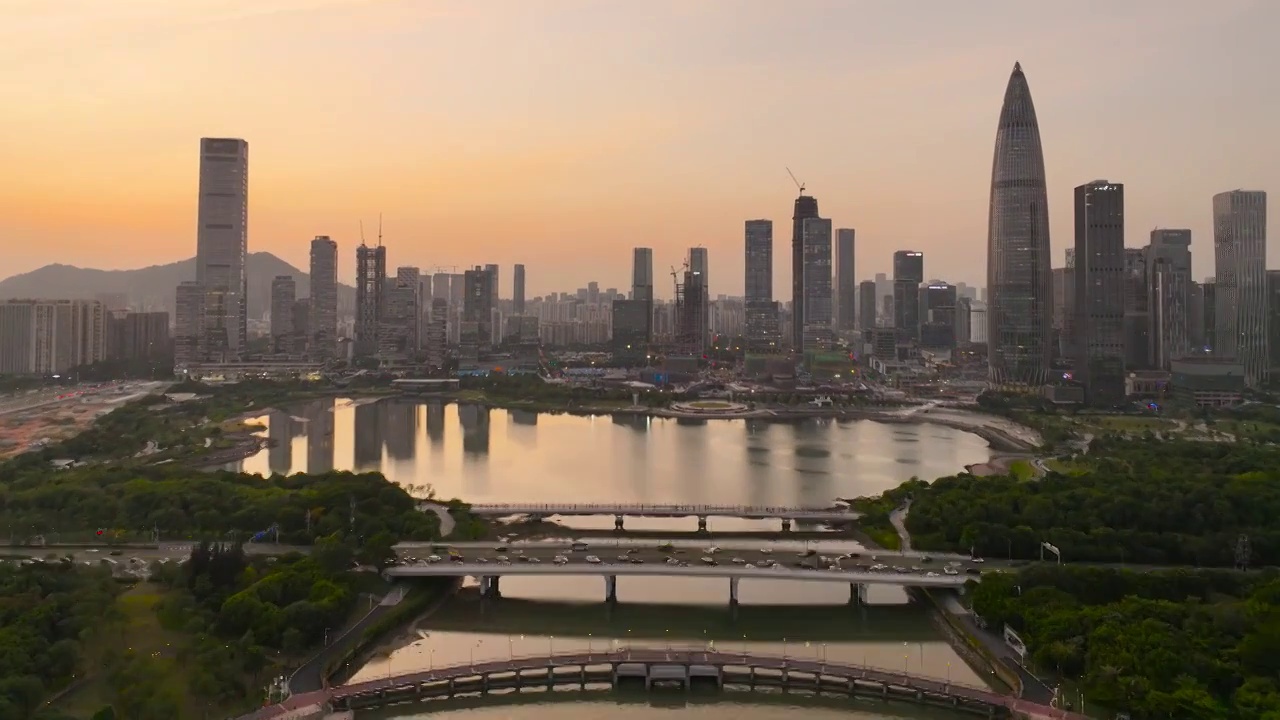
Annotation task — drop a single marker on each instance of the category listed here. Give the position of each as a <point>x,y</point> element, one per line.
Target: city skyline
<point>583,209</point>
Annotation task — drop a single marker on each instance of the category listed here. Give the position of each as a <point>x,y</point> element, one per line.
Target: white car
<point>738,561</point>
<point>561,560</point>
<point>593,559</point>
<point>951,571</point>
<point>431,558</point>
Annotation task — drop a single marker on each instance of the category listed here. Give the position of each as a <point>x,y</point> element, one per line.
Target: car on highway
<point>561,560</point>
<point>708,560</point>
<point>593,559</point>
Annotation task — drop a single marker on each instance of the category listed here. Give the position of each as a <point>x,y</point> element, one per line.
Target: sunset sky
<point>562,133</point>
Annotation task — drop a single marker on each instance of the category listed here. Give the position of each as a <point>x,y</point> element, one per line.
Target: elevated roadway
<point>787,515</point>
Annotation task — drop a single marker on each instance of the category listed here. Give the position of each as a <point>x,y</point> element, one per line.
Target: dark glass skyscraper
<point>806,207</point>
<point>1019,280</point>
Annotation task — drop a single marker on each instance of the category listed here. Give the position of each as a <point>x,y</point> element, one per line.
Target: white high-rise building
<point>222,239</point>
<point>1240,263</point>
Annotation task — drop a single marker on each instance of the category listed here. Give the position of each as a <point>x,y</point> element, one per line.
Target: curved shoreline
<point>983,425</point>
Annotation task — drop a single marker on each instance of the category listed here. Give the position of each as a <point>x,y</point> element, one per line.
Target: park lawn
<point>136,627</point>
<point>1067,467</point>
<point>1248,429</point>
<point>1022,469</point>
<point>1128,423</point>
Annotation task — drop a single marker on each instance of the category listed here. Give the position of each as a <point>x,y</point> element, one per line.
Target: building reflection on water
<point>435,422</point>
<point>319,416</point>
<point>523,417</point>
<point>475,428</point>
<point>281,429</point>
<point>458,451</point>
<point>400,428</point>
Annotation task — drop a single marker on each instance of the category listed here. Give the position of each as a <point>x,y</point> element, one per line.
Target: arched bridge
<point>619,511</point>
<point>655,667</point>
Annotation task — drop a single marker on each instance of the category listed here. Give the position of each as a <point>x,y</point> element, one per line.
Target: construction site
<point>36,418</point>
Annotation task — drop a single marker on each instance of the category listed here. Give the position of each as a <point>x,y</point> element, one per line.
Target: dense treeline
<point>46,609</point>
<point>1137,501</point>
<point>240,617</point>
<point>1192,645</point>
<point>195,504</point>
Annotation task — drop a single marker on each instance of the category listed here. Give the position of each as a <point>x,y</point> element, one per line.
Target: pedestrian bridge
<point>619,511</point>
<point>654,668</point>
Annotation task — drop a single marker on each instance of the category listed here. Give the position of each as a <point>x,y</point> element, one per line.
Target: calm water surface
<point>482,455</point>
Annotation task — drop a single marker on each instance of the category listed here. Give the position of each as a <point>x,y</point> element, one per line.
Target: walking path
<point>899,519</point>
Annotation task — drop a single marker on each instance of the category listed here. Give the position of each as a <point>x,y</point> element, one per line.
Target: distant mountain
<point>153,288</point>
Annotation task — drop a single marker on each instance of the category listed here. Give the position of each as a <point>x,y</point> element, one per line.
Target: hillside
<point>153,287</point>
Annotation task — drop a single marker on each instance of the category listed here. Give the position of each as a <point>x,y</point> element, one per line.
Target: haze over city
<point>562,134</point>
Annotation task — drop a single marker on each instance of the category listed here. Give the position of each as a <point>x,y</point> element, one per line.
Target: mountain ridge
<point>153,287</point>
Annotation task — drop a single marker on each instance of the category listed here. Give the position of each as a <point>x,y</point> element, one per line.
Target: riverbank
<point>1004,435</point>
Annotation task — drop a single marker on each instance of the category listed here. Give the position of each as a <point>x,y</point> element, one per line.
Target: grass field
<point>1127,423</point>
<point>135,627</point>
<point>1022,469</point>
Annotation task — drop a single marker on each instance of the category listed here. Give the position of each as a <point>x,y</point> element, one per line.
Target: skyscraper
<point>761,311</point>
<point>371,283</point>
<point>816,320</point>
<point>1240,262</point>
<point>700,266</point>
<point>323,307</point>
<point>642,283</point>
<point>805,207</point>
<point>493,272</point>
<point>1099,274</point>
<point>517,291</point>
<point>222,239</point>
<point>284,292</point>
<point>1019,283</point>
<point>908,274</point>
<point>846,284</point>
<point>866,305</point>
<point>1170,289</point>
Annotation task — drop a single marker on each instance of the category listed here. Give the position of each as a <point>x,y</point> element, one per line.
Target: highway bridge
<point>619,511</point>
<point>728,548</point>
<point>652,668</point>
<point>490,574</point>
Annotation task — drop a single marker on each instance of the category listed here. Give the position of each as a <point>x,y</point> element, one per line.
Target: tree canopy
<point>132,502</point>
<point>1176,502</point>
<point>1192,645</point>
<point>46,610</point>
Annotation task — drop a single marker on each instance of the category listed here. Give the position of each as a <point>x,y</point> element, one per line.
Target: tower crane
<point>799,184</point>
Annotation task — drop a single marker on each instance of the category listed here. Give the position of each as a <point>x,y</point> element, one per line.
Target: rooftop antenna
<point>794,180</point>
<point>362,232</point>
<point>379,229</point>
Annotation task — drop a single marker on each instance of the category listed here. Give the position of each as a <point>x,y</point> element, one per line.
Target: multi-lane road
<point>503,557</point>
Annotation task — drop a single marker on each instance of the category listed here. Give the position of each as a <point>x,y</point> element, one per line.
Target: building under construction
<point>691,312</point>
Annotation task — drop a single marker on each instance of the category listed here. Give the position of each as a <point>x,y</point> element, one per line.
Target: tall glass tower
<point>1019,279</point>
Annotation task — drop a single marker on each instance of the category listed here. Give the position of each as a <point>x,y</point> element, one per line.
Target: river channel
<point>495,456</point>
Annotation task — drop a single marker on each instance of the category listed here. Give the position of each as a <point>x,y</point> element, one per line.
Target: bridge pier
<point>611,589</point>
<point>489,587</point>
<point>733,592</point>
<point>786,525</point>
<point>702,523</point>
<point>617,523</point>
<point>857,594</point>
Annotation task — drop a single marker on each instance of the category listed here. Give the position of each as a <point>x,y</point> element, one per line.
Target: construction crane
<point>799,184</point>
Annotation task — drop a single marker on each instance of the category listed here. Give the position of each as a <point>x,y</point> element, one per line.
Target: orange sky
<point>561,133</point>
